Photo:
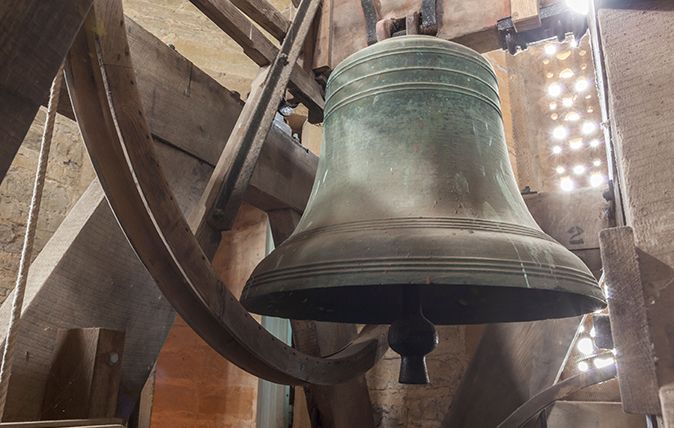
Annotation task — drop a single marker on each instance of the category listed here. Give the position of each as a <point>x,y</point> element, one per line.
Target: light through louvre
<point>588,128</point>
<point>560,132</point>
<point>555,90</point>
<point>567,184</point>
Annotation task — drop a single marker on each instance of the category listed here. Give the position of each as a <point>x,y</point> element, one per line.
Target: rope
<point>29,237</point>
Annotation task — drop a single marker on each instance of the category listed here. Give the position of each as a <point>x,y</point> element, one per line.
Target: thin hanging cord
<point>29,237</point>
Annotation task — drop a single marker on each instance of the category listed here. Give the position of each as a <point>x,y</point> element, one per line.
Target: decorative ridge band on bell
<point>415,199</point>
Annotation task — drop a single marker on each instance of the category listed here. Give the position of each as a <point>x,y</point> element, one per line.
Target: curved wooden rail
<point>102,87</point>
<point>556,392</point>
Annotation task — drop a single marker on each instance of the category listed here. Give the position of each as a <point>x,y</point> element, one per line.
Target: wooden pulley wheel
<point>102,86</point>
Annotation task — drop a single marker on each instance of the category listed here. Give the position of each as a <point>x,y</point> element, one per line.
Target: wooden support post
<point>35,37</point>
<point>285,171</point>
<point>525,14</point>
<point>529,357</point>
<point>67,423</point>
<point>639,262</point>
<point>629,322</point>
<point>84,378</point>
<point>667,402</point>
<point>263,52</point>
<point>234,170</point>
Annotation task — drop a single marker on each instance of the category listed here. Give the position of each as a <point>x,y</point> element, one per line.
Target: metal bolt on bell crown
<point>415,215</point>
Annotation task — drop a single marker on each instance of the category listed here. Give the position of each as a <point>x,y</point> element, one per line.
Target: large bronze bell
<point>415,212</point>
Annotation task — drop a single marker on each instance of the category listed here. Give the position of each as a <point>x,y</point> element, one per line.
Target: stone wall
<point>69,172</point>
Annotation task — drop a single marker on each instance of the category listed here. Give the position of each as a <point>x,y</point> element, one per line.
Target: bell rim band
<point>421,222</point>
<point>433,267</point>
<point>435,45</point>
<point>436,87</point>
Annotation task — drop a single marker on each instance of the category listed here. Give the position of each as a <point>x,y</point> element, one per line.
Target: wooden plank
<point>322,56</point>
<point>641,114</point>
<point>266,15</point>
<point>666,395</point>
<point>338,406</point>
<point>574,219</point>
<point>529,357</point>
<point>66,423</point>
<point>343,29</point>
<point>34,38</point>
<point>91,274</point>
<point>629,322</point>
<point>234,169</point>
<point>262,51</point>
<point>524,14</point>
<point>558,391</point>
<point>84,378</point>
<point>188,109</point>
<point>565,414</point>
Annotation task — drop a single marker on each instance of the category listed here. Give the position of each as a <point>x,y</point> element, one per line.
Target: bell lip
<point>466,275</point>
<point>498,303</point>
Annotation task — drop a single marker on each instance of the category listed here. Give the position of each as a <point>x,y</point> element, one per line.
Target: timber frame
<point>109,111</point>
<point>103,91</point>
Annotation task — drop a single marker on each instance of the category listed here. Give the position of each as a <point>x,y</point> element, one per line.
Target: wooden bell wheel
<point>102,87</point>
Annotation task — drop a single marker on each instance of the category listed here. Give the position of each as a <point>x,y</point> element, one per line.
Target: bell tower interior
<point>336,213</point>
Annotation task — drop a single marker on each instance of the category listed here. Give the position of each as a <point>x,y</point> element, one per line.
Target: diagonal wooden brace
<point>234,169</point>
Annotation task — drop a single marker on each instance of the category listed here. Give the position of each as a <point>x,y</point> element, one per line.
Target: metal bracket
<point>371,18</point>
<point>429,21</point>
<point>556,21</point>
<point>422,22</point>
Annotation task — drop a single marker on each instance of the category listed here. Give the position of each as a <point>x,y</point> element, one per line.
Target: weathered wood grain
<point>343,30</point>
<point>524,14</point>
<point>629,322</point>
<point>188,109</point>
<point>233,172</point>
<point>84,378</point>
<point>34,38</point>
<point>91,274</point>
<point>529,356</point>
<point>638,66</point>
<point>558,391</point>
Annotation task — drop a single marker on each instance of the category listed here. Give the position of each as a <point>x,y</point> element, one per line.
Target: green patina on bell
<point>415,212</point>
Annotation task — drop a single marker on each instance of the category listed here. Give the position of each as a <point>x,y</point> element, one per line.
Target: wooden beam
<point>262,51</point>
<point>666,395</point>
<point>529,357</point>
<point>198,121</point>
<point>266,16</point>
<point>87,274</point>
<point>234,169</point>
<point>524,14</point>
<point>558,391</point>
<point>343,29</point>
<point>34,37</point>
<point>632,338</point>
<point>67,423</point>
<point>84,377</point>
<point>641,116</point>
